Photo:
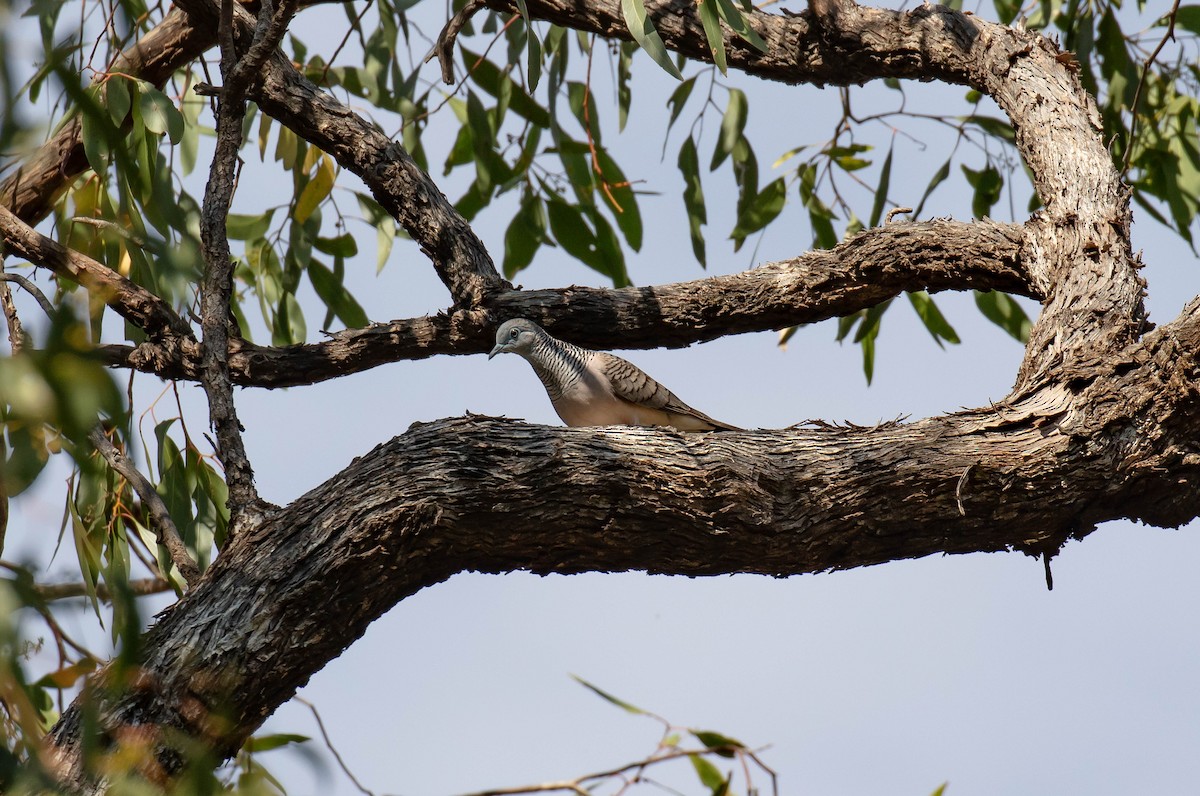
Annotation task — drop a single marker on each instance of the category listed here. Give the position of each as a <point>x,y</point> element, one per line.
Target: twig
<point>160,520</point>
<point>329,745</point>
<point>29,288</point>
<point>140,587</point>
<point>444,48</point>
<point>1137,95</point>
<point>577,785</point>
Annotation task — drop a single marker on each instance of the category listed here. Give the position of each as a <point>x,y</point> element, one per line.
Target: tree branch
<point>398,184</point>
<point>455,496</point>
<point>65,591</point>
<point>31,191</point>
<point>160,519</point>
<point>859,273</point>
<point>130,300</point>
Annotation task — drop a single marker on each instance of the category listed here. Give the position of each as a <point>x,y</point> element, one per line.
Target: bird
<point>595,388</point>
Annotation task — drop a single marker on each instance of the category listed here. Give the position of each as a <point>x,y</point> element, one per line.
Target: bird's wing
<point>631,383</point>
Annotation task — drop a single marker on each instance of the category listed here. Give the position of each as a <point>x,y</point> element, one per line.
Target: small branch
<point>132,301</point>
<point>329,745</point>
<point>272,24</point>
<point>443,50</point>
<point>64,591</point>
<point>29,288</point>
<point>217,284</point>
<point>160,519</point>
<point>1137,95</point>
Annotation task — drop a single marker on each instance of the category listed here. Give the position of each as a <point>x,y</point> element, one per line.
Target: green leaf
<point>265,743</point>
<point>1187,17</point>
<point>732,125</point>
<point>1004,311</point>
<point>489,78</point>
<point>736,20</point>
<point>679,98</point>
<point>693,196</point>
<point>711,20</point>
<point>589,118</point>
<point>330,289</point>
<point>624,75</point>
<point>342,246</point>
<point>96,129</point>
<point>533,69</point>
<point>159,114</point>
<point>646,35</point>
<point>710,776</point>
<point>933,319</point>
<point>316,191</point>
<point>988,185</point>
<point>600,692</point>
<point>620,199</point>
<point>761,210</point>
<point>116,97</point>
<point>525,234</point>
<point>997,128</point>
<point>881,190</point>
<point>247,227</point>
<point>713,740</point>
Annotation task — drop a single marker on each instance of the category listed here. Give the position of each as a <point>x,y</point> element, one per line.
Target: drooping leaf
<point>159,113</point>
<point>881,190</point>
<point>732,125</point>
<point>316,191</point>
<point>736,20</point>
<point>938,178</point>
<point>711,20</point>
<point>761,210</point>
<point>600,692</point>
<point>265,743</point>
<point>1004,311</point>
<point>932,317</point>
<point>641,27</point>
<point>620,199</point>
<point>489,78</point>
<point>693,197</point>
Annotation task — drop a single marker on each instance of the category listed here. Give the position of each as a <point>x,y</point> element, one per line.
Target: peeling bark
<point>1101,425</point>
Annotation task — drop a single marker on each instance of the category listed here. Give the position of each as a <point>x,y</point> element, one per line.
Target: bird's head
<point>516,337</point>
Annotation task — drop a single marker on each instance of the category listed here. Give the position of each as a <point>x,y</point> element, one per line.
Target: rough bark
<point>493,495</point>
<point>875,266</point>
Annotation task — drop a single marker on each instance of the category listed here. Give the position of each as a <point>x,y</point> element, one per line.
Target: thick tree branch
<point>131,301</point>
<point>874,266</point>
<point>459,495</point>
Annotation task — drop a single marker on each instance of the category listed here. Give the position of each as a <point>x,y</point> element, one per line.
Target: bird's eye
<point>513,334</point>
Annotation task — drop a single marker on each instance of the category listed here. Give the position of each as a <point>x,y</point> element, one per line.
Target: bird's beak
<point>499,349</point>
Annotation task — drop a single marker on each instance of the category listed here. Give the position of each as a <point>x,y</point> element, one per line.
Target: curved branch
<point>874,266</point>
<point>398,184</point>
<point>130,300</point>
<point>458,495</point>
